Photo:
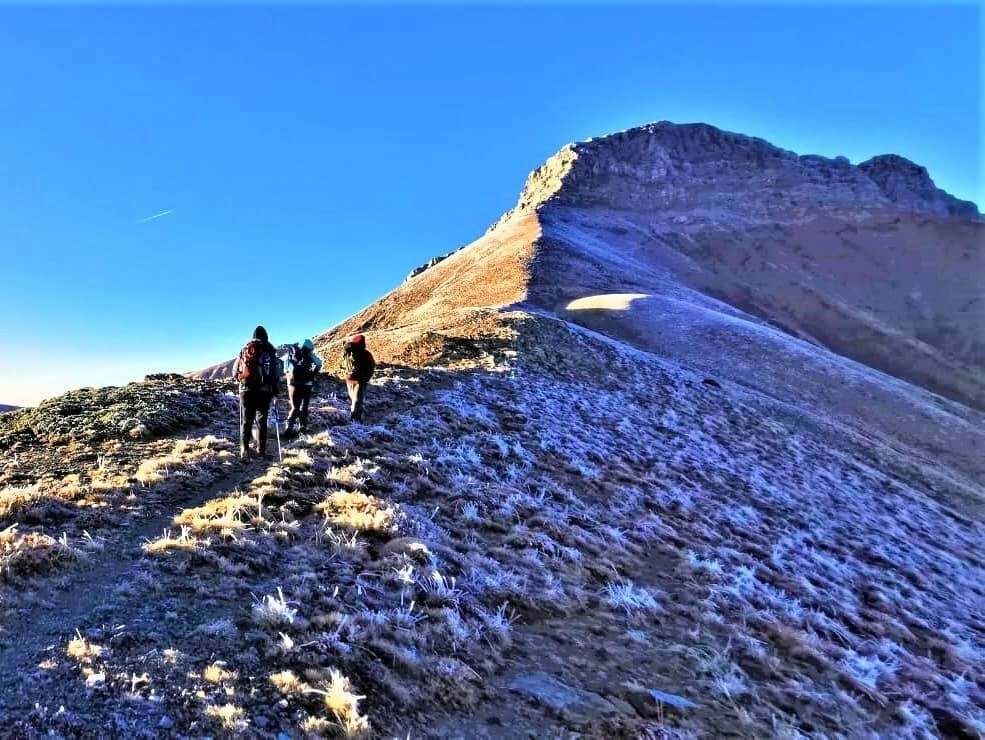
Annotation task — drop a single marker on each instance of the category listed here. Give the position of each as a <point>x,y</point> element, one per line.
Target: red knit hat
<point>358,339</point>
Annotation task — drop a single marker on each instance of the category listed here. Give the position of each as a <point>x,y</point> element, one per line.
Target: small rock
<point>261,721</point>
<point>412,547</point>
<point>165,723</point>
<point>578,704</point>
<point>653,703</point>
<point>96,680</point>
<point>624,707</point>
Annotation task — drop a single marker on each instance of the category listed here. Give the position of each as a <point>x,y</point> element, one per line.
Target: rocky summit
<point>689,443</point>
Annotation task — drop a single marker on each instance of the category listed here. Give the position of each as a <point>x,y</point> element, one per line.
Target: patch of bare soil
<point>105,591</point>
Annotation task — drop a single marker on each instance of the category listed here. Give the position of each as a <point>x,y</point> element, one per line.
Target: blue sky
<point>311,156</point>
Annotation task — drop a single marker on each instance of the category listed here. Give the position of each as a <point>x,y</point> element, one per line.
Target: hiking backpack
<point>354,363</point>
<point>303,366</point>
<point>257,367</point>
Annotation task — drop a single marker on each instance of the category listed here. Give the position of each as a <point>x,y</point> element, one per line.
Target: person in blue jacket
<point>301,365</point>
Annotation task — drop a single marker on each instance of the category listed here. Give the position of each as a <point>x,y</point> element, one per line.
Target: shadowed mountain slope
<point>852,292</point>
<point>686,227</point>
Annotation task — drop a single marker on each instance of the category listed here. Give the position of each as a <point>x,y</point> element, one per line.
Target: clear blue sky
<point>311,156</point>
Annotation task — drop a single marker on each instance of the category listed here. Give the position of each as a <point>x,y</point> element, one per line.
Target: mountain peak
<point>908,184</point>
<point>665,166</point>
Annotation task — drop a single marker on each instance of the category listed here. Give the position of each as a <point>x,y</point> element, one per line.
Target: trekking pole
<point>241,425</point>
<point>276,418</point>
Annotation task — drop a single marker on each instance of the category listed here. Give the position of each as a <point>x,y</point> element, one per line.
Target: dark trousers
<point>300,396</point>
<point>255,405</point>
<point>357,391</point>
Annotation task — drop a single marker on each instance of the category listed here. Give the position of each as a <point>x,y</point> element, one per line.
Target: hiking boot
<point>244,454</point>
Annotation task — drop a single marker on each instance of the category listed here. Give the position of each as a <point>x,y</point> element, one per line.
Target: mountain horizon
<point>687,443</point>
<point>649,397</point>
<point>730,229</point>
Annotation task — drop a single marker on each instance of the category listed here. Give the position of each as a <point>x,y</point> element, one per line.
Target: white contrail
<point>156,215</point>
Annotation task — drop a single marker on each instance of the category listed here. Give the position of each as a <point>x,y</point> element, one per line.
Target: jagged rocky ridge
<point>873,262</point>
<point>669,167</point>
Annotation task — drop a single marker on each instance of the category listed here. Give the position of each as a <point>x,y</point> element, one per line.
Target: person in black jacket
<point>357,368</point>
<point>258,371</point>
<point>301,365</point>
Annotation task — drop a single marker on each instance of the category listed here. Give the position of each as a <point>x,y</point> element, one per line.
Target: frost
<point>629,597</point>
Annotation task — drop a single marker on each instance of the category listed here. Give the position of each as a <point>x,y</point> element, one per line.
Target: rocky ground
<point>507,548</point>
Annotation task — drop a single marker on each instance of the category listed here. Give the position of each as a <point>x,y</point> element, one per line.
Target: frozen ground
<point>498,551</point>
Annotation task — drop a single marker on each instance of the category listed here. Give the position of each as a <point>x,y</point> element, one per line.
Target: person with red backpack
<point>357,368</point>
<point>301,365</point>
<point>258,371</point>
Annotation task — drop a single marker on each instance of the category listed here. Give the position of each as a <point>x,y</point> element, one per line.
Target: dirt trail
<point>92,586</point>
<point>112,592</point>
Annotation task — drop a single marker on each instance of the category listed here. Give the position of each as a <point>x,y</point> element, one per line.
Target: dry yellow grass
<point>270,482</point>
<point>17,497</point>
<point>344,704</point>
<point>83,651</point>
<point>224,515</point>
<point>184,541</point>
<point>32,553</point>
<point>186,454</point>
<point>297,460</point>
<point>216,673</point>
<point>288,683</point>
<point>317,726</point>
<point>357,510</point>
<point>231,716</point>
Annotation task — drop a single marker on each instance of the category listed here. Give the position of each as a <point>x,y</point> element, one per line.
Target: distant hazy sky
<point>171,176</point>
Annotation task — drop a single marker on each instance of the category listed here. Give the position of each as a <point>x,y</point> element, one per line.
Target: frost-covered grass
<point>628,596</point>
<point>31,553</point>
<point>391,565</point>
<point>185,460</point>
<point>274,610</point>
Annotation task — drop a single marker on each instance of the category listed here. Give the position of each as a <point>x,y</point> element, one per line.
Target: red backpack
<point>256,368</point>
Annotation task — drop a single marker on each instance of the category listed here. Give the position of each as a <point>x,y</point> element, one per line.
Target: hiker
<point>258,371</point>
<point>357,368</point>
<point>301,366</point>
